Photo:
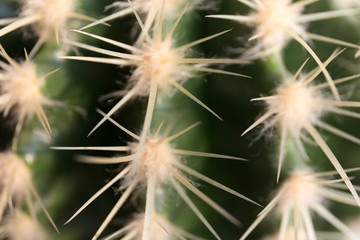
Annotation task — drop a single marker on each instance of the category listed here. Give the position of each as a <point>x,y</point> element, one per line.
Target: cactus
<point>110,127</point>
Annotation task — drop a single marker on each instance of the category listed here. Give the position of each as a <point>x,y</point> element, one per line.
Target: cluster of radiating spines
<point>160,229</point>
<point>151,164</point>
<point>276,22</point>
<point>300,196</point>
<point>47,17</point>
<point>20,226</point>
<point>296,110</point>
<point>158,63</point>
<point>148,8</point>
<point>20,93</point>
<point>16,192</point>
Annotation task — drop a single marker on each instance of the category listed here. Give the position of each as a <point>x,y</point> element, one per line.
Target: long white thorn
<point>249,4</point>
<point>210,60</point>
<point>339,103</point>
<point>214,183</point>
<point>6,21</point>
<point>318,61</point>
<point>149,109</point>
<point>116,208</point>
<point>144,29</point>
<point>42,39</point>
<point>202,196</point>
<point>331,40</point>
<point>105,160</point>
<point>113,16</point>
<point>171,32</point>
<point>337,81</point>
<point>338,132</point>
<point>80,16</point>
<point>260,218</point>
<point>211,70</point>
<point>205,154</point>
<point>20,23</point>
<point>110,41</point>
<point>120,55</point>
<point>95,148</point>
<point>285,216</point>
<point>178,134</point>
<point>124,100</point>
<point>112,61</point>
<point>149,206</point>
<point>282,151</point>
<point>236,18</point>
<point>199,41</point>
<point>337,196</point>
<point>299,70</point>
<point>262,119</point>
<point>127,131</point>
<point>188,201</point>
<point>37,197</point>
<point>312,17</point>
<point>98,193</point>
<point>328,216</point>
<point>344,112</point>
<point>120,232</point>
<point>195,99</point>
<point>305,214</point>
<point>335,162</point>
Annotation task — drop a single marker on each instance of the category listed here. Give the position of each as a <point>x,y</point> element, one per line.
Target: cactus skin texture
<point>149,120</point>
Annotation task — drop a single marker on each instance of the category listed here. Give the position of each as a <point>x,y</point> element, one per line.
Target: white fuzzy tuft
<point>153,160</point>
<point>272,21</point>
<point>54,14</point>
<point>158,62</point>
<point>20,86</point>
<point>294,104</point>
<point>301,189</point>
<point>14,176</point>
<point>19,226</point>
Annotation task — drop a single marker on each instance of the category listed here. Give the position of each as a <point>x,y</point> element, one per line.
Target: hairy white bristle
<point>272,21</point>
<point>153,159</point>
<point>295,103</point>
<point>22,87</point>
<point>300,189</point>
<point>14,177</point>
<point>54,14</point>
<point>19,226</point>
<point>159,62</point>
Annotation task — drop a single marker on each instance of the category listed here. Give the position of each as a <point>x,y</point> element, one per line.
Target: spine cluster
<point>153,166</point>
